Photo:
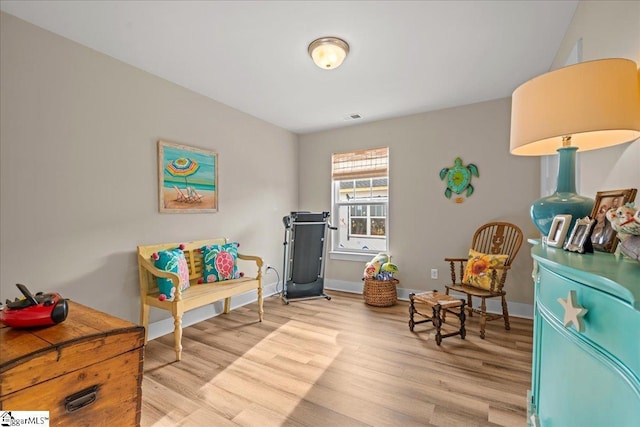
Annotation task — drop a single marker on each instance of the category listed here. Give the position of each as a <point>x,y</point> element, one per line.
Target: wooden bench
<point>198,294</point>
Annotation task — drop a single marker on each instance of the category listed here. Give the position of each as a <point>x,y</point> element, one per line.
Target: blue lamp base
<point>545,209</point>
<point>565,200</point>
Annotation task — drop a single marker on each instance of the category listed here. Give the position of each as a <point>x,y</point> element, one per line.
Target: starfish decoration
<point>573,312</point>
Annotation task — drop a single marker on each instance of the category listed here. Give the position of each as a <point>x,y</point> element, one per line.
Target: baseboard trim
<point>516,309</point>
<point>165,326</point>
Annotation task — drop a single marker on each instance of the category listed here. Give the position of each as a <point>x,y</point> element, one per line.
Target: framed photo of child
<point>579,239</point>
<point>559,230</point>
<point>604,237</point>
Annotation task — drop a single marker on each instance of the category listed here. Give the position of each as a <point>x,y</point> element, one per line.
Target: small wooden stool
<point>437,302</point>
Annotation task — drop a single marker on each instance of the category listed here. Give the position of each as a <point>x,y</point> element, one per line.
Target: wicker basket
<point>380,293</point>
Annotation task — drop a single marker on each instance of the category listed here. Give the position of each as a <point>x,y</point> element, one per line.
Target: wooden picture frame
<point>559,230</point>
<point>580,241</point>
<point>187,179</point>
<point>604,237</point>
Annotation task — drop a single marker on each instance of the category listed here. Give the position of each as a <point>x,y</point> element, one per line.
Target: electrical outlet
<point>434,273</point>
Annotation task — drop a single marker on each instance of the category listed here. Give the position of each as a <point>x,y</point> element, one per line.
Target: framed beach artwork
<point>187,179</point>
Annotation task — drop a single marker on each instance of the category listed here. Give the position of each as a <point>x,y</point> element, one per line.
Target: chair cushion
<point>220,262</point>
<point>174,261</point>
<point>480,267</point>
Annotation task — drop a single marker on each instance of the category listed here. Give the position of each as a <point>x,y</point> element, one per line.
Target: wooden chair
<point>193,194</point>
<point>493,238</point>
<point>180,196</point>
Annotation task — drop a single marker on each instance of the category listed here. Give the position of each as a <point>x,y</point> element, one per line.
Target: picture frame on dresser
<point>580,238</point>
<point>559,230</point>
<point>604,237</point>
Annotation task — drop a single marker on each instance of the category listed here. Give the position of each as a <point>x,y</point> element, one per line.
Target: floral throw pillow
<point>174,261</point>
<point>480,268</point>
<point>220,262</point>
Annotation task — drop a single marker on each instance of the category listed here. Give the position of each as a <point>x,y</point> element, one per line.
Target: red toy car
<point>33,311</point>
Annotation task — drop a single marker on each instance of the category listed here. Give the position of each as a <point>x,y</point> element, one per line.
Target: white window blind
<point>371,163</point>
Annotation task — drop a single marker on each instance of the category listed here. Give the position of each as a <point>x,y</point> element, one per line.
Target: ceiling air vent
<point>352,117</point>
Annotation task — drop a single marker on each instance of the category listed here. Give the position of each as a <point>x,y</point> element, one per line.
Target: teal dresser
<point>586,344</point>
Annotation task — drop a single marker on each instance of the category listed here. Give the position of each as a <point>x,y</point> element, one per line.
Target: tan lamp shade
<point>597,103</point>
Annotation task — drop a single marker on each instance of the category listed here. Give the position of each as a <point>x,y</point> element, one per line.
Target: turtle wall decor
<point>458,179</point>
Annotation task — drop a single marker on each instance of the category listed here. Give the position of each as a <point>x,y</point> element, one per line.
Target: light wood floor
<point>336,363</point>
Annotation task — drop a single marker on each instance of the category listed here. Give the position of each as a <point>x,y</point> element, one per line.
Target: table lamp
<point>585,106</point>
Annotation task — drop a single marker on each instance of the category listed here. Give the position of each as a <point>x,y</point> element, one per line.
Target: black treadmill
<point>305,235</point>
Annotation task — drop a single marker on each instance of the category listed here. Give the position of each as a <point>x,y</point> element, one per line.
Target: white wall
<point>79,170</point>
<point>425,226</point>
<point>78,178</point>
<point>608,29</point>
<point>425,229</point>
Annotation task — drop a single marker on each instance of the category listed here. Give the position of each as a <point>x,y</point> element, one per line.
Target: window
<point>360,184</point>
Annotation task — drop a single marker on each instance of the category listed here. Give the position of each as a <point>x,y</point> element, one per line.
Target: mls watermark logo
<point>24,418</point>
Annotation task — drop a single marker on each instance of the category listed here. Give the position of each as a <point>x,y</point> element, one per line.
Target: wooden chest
<point>86,371</point>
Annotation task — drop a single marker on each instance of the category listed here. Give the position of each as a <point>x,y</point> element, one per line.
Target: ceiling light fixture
<point>328,52</point>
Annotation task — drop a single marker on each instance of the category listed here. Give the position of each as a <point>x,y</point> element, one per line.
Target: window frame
<point>370,201</point>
